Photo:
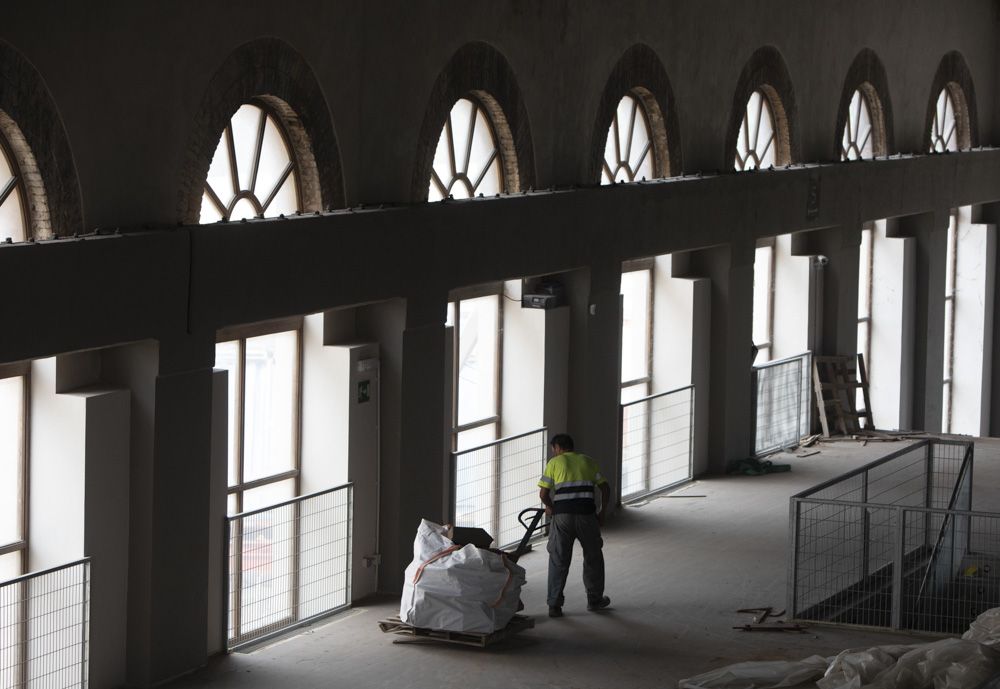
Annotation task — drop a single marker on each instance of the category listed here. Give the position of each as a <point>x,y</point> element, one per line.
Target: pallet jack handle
<point>529,529</point>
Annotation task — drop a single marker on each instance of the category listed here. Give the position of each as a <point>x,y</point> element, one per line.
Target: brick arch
<point>766,71</point>
<point>478,71</point>
<point>267,71</point>
<point>953,74</point>
<point>34,131</point>
<point>640,72</point>
<point>867,74</point>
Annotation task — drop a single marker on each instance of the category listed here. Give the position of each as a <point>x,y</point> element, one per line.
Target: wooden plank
<point>412,634</point>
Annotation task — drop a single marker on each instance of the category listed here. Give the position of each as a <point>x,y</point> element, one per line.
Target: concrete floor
<point>678,568</point>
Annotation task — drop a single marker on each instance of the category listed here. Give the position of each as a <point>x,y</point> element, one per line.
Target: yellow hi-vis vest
<point>572,479</point>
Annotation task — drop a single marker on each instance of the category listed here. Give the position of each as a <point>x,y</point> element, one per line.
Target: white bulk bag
<point>458,588</point>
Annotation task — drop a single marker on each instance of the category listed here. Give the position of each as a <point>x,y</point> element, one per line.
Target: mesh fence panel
<point>782,392</point>
<point>844,563</point>
<point>895,544</point>
<point>656,437</point>
<point>493,483</point>
<point>288,563</point>
<point>45,628</point>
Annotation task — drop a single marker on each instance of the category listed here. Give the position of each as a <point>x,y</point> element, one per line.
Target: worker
<point>568,489</point>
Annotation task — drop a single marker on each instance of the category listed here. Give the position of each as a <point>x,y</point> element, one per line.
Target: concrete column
<point>836,268</point>
<point>598,382</point>
<point>169,619</point>
<point>990,213</point>
<point>728,417</point>
<point>927,285</point>
<point>423,453</point>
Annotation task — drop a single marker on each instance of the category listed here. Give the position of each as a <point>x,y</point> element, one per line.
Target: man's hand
<point>600,518</point>
<point>548,511</point>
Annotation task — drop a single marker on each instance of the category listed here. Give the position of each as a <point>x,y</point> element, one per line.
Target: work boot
<point>598,604</point>
<point>555,611</point>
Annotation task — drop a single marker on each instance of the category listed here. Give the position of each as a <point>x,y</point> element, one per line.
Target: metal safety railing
<point>656,442</point>
<point>45,628</point>
<point>287,564</point>
<point>492,483</point>
<point>896,544</point>
<point>782,402</point>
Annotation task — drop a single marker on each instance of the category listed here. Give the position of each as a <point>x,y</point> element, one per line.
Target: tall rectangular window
<point>636,376</point>
<point>951,265</point>
<point>865,278</point>
<point>637,331</point>
<point>763,302</point>
<point>476,320</point>
<point>263,408</point>
<point>13,470</point>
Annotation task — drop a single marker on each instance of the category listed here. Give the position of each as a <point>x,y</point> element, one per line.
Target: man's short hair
<point>562,440</point>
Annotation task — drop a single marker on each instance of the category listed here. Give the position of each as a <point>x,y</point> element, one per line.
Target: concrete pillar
<point>415,473</point>
<point>728,417</point>
<point>598,381</point>
<point>169,619</point>
<point>990,213</point>
<point>927,286</point>
<point>836,269</point>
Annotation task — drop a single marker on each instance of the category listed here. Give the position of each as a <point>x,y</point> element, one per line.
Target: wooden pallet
<point>835,382</point>
<point>412,634</point>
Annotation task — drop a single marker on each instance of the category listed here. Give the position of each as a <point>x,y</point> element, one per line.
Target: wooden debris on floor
<point>412,634</point>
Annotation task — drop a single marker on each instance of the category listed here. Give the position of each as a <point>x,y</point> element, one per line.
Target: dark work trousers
<point>563,530</point>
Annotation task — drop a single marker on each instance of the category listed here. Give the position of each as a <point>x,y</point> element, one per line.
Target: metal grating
<point>657,446</point>
<point>288,564</point>
<point>494,482</point>
<point>45,628</point>
<point>782,402</point>
<point>895,544</point>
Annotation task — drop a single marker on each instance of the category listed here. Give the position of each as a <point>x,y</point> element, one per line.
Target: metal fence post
<point>897,570</point>
<point>794,513</point>
<point>84,604</point>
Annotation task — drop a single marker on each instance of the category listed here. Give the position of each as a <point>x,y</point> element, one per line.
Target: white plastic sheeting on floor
<point>965,663</point>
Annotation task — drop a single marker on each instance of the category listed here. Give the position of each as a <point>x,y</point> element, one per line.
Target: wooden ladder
<point>836,380</point>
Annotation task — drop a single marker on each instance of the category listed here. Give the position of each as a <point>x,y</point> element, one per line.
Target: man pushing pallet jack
<point>457,590</point>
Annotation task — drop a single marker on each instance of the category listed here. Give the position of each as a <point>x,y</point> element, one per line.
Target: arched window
<point>858,140</point>
<point>629,154</point>
<point>468,160</point>
<point>945,133</point>
<point>14,221</point>
<point>253,172</point>
<point>756,144</point>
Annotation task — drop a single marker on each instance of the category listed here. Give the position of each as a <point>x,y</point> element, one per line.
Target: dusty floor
<point>678,568</point>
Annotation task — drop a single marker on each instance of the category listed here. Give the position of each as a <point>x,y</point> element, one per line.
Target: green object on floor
<point>755,467</point>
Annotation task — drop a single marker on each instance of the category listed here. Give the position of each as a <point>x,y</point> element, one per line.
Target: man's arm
<point>543,494</point>
<point>605,499</point>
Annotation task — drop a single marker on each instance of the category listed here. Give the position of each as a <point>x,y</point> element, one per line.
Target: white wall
<point>57,473</point>
<point>973,342</point>
<point>890,361</point>
<point>791,300</point>
<point>523,370</point>
<point>673,328</point>
<point>325,409</point>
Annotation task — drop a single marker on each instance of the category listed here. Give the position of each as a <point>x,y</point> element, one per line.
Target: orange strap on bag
<point>436,556</point>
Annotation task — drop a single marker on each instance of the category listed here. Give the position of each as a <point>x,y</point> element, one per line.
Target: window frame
<point>16,186</point>
<point>456,297</point>
<point>950,302</point>
<point>499,157</point>
<point>635,266</point>
<point>21,370</point>
<point>639,105</point>
<point>293,169</point>
<point>240,334</point>
<point>766,105</point>
<point>769,243</point>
